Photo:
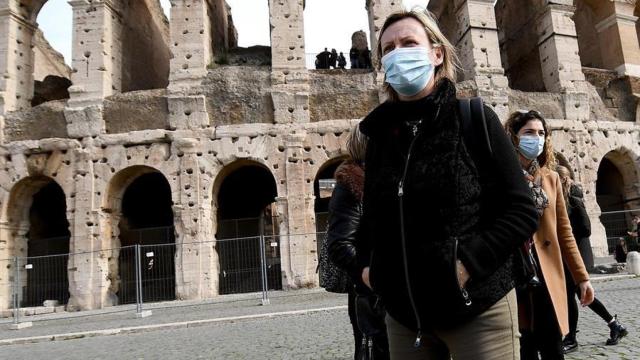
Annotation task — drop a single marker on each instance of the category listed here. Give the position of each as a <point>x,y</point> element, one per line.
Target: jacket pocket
<point>466,298</point>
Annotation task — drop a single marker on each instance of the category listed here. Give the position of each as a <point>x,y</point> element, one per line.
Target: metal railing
<point>618,225</point>
<point>142,274</point>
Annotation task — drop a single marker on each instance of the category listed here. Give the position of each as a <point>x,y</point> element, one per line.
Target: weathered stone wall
<point>261,107</point>
<point>135,111</point>
<point>40,122</point>
<point>342,94</point>
<point>47,60</point>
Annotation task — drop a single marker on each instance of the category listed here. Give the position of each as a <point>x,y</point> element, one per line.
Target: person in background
<point>354,56</point>
<point>322,59</point>
<point>543,309</point>
<point>436,241</point>
<point>345,210</point>
<point>633,234</point>
<point>621,251</point>
<point>581,227</point>
<point>342,62</point>
<point>333,59</point>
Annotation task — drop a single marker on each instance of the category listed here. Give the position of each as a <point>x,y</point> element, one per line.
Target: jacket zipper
<point>403,241</point>
<point>463,291</point>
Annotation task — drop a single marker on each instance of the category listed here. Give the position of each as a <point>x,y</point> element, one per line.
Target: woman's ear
<point>438,55</point>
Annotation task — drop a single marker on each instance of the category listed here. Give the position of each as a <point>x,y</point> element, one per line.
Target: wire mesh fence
<point>146,273</point>
<point>620,225</point>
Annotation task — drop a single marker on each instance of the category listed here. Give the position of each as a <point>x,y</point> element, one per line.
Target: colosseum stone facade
<point>170,125</point>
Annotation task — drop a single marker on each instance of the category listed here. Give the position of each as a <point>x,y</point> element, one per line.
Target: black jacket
<point>345,211</point>
<point>450,212</point>
<point>580,223</point>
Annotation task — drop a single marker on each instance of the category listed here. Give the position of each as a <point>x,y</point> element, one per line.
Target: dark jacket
<point>450,212</point>
<point>345,211</point>
<point>580,223</point>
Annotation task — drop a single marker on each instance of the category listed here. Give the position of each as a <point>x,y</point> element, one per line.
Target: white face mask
<point>531,146</point>
<point>408,70</point>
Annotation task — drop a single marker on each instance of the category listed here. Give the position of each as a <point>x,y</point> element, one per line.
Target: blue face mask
<point>531,146</point>
<point>408,70</point>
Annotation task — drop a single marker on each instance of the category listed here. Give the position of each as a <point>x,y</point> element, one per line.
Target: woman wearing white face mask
<point>543,309</point>
<point>436,238</point>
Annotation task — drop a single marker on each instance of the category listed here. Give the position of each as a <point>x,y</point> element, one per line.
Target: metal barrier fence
<point>149,273</point>
<point>618,225</point>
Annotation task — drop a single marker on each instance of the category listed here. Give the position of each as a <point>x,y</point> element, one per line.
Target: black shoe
<point>617,331</point>
<point>569,345</point>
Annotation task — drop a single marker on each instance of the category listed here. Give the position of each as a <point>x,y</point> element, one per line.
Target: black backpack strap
<point>475,132</point>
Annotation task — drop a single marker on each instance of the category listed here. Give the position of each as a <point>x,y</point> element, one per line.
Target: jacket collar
<point>389,113</point>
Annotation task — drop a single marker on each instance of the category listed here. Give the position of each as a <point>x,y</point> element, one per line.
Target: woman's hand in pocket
<point>462,273</point>
<point>365,277</point>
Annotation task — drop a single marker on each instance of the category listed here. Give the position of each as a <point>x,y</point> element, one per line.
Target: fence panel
<point>618,225</point>
<point>126,289</point>
<point>158,272</point>
<point>45,278</point>
<point>240,269</point>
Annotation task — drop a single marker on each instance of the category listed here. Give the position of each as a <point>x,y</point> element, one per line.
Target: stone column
<point>560,58</point>
<point>197,265</point>
<point>619,38</point>
<point>298,249</point>
<point>191,46</point>
<point>558,46</point>
<point>378,11</point>
<point>476,38</point>
<point>97,51</point>
<point>16,60</point>
<point>97,60</point>
<point>88,268</point>
<point>289,76</point>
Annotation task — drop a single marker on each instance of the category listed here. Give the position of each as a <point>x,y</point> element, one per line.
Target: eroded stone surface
<point>216,108</point>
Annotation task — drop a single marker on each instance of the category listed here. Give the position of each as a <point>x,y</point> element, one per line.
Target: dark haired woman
<point>437,239</point>
<point>543,309</point>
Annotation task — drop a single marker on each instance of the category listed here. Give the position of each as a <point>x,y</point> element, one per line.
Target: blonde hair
<point>450,63</point>
<point>357,144</point>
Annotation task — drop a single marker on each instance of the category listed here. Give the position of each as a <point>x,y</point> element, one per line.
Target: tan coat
<point>554,242</point>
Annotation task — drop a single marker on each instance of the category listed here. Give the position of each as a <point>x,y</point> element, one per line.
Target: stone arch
<point>322,189</point>
<point>617,191</point>
<point>519,43</point>
<point>562,160</point>
<point>39,236</point>
<point>356,32</point>
<point>52,74</point>
<point>586,16</point>
<point>244,206</point>
<point>121,45</point>
<point>145,46</point>
<point>138,208</point>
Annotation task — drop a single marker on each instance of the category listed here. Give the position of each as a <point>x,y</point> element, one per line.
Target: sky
<point>328,23</point>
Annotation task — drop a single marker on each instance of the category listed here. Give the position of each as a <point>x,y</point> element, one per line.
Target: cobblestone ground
<point>321,335</point>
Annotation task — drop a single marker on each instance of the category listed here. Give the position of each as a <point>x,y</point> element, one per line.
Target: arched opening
<point>40,234</point>
<point>145,46</point>
<point>142,215</point>
<point>240,32</point>
<point>246,216</point>
<point>586,18</point>
<point>348,37</point>
<point>519,43</point>
<point>615,195</point>
<point>51,54</point>
<point>322,189</point>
